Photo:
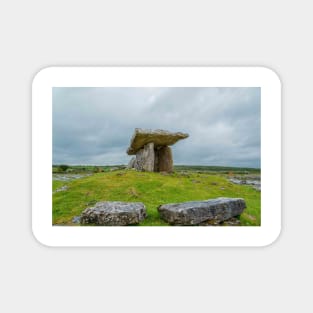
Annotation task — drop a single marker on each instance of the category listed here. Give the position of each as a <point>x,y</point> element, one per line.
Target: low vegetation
<point>153,189</point>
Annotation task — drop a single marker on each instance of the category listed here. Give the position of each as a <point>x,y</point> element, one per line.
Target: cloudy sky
<point>95,125</point>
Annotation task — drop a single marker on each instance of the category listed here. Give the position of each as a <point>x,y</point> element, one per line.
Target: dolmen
<point>200,212</point>
<point>152,151</point>
<point>114,213</point>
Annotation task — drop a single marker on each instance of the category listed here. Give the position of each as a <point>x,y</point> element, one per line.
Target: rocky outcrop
<point>114,213</point>
<point>152,150</point>
<point>254,181</point>
<point>197,212</point>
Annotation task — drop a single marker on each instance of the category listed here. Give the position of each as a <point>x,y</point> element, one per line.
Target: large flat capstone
<point>196,212</point>
<point>159,137</point>
<point>114,213</point>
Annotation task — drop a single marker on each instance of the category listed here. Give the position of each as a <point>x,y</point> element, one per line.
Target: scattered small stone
<point>255,182</point>
<point>68,177</point>
<point>120,174</point>
<point>76,220</point>
<point>63,188</point>
<point>232,222</point>
<point>91,202</point>
<point>114,169</point>
<point>184,175</point>
<point>196,181</point>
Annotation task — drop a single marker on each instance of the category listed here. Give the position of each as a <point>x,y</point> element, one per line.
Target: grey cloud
<point>94,125</point>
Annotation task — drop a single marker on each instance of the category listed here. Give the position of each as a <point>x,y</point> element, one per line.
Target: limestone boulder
<point>159,137</point>
<point>196,212</point>
<point>114,213</point>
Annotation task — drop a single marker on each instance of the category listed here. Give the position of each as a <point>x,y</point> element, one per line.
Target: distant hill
<point>225,169</point>
<point>57,168</point>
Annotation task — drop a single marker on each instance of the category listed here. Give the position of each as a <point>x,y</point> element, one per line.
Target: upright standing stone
<point>139,160</point>
<point>145,158</point>
<point>148,157</point>
<point>165,159</point>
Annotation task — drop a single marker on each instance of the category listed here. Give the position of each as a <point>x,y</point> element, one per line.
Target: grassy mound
<point>153,189</point>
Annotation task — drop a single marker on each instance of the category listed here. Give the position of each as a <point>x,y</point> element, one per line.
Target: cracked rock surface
<point>197,212</point>
<point>114,213</point>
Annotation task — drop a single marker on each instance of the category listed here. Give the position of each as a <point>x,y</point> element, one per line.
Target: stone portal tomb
<point>152,151</point>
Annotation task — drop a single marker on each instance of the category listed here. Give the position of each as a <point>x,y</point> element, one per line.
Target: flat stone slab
<point>114,213</point>
<point>196,212</point>
<point>159,137</point>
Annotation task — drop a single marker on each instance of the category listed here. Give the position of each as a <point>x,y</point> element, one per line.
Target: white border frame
<point>50,77</point>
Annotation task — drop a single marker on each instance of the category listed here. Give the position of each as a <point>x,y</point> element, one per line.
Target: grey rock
<point>236,181</point>
<point>114,168</point>
<point>63,188</point>
<point>114,213</point>
<point>76,219</point>
<point>255,182</point>
<point>164,159</point>
<point>148,157</point>
<point>159,137</point>
<point>139,160</point>
<point>68,177</point>
<point>145,158</point>
<point>196,212</point>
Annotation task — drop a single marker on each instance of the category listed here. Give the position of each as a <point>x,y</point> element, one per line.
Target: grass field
<point>153,189</point>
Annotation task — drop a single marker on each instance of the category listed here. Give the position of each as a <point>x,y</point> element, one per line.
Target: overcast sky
<point>95,125</point>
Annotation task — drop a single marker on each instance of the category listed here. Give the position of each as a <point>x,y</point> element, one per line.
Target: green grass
<point>153,189</point>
